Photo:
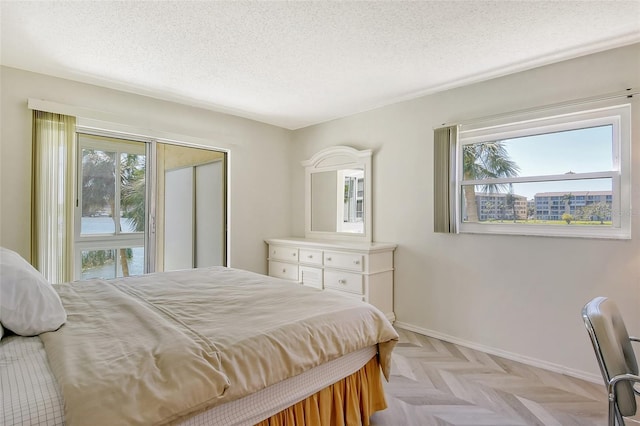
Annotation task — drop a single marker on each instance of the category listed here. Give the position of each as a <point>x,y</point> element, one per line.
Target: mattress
<point>31,396</point>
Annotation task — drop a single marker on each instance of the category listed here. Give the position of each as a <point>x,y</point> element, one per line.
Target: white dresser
<point>360,270</point>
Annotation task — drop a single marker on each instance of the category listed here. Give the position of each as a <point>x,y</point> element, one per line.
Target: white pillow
<point>29,305</point>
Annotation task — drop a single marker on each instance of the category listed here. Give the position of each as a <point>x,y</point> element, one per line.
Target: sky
<point>577,151</point>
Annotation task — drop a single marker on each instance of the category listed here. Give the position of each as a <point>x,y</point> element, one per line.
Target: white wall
<point>259,160</point>
<point>521,296</point>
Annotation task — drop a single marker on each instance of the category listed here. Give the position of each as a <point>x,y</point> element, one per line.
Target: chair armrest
<point>635,389</point>
<point>624,378</point>
<point>627,377</point>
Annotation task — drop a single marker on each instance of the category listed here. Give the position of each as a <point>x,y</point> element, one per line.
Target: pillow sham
<point>29,305</point>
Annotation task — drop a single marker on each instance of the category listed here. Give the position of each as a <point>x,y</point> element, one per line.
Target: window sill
<point>567,231</point>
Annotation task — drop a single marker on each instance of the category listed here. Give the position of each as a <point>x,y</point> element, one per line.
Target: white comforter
<point>159,348</point>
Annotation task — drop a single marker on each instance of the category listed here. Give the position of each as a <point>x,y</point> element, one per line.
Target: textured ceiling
<point>293,64</point>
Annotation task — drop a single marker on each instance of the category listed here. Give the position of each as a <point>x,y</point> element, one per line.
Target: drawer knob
<point>310,256</point>
<point>284,270</point>
<point>342,281</point>
<point>328,259</point>
<point>294,255</point>
<point>356,262</point>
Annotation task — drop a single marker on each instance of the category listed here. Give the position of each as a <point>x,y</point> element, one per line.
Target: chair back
<point>613,349</point>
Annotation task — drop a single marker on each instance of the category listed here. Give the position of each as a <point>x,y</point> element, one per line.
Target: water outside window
<point>107,264</point>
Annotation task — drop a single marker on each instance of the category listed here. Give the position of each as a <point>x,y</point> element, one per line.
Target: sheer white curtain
<point>52,195</point>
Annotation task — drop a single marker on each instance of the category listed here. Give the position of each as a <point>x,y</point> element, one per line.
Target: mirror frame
<point>338,158</point>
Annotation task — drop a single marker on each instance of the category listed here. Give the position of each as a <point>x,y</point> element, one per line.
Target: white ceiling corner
<point>294,64</point>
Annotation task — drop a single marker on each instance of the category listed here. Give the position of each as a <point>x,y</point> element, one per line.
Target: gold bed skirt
<point>349,402</point>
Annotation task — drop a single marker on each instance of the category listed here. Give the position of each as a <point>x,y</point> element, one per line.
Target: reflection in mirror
<point>350,218</point>
<point>337,201</point>
<point>338,194</point>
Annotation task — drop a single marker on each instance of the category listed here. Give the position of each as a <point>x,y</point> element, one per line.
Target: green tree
<point>531,211</point>
<point>567,218</point>
<point>510,201</point>
<point>501,208</point>
<point>133,190</point>
<point>484,161</point>
<point>567,203</point>
<point>133,199</point>
<point>598,211</point>
<point>98,181</point>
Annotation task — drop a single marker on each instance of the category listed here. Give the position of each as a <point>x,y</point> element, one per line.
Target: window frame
<point>112,241</point>
<point>553,120</point>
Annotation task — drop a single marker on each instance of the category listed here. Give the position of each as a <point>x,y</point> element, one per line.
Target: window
<point>111,208</point>
<point>566,173</point>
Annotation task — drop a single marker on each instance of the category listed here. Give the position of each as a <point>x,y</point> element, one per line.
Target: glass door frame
<point>150,233</point>
<point>116,240</point>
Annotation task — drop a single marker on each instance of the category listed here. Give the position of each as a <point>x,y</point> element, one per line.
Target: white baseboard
<point>557,368</point>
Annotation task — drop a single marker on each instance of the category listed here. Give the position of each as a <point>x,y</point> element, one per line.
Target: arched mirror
<point>338,194</point>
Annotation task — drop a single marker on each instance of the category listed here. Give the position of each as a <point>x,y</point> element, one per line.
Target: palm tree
<point>133,197</point>
<point>510,201</point>
<point>567,201</point>
<point>485,160</point>
<point>132,202</point>
<point>132,178</point>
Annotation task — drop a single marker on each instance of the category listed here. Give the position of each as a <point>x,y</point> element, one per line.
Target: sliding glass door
<point>147,206</point>
<point>191,207</point>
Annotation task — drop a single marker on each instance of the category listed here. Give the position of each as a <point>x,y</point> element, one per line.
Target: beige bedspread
<point>158,348</point>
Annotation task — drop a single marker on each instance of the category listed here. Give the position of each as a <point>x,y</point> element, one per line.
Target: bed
<point>215,346</point>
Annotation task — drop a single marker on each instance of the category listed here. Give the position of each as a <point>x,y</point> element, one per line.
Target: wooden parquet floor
<point>439,383</point>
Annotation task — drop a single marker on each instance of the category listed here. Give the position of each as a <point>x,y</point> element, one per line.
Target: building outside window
<point>582,206</point>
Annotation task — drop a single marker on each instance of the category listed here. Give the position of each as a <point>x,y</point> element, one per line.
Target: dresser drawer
<point>311,276</point>
<point>350,261</point>
<point>283,270</point>
<point>283,253</point>
<point>312,257</point>
<point>344,281</point>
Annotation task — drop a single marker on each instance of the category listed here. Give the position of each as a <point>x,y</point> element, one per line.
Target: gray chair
<point>615,355</point>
